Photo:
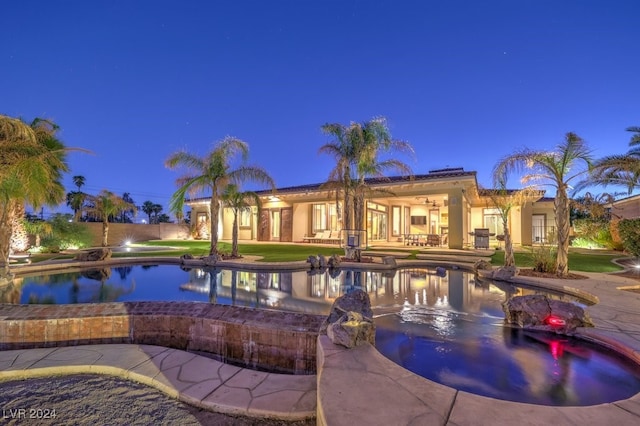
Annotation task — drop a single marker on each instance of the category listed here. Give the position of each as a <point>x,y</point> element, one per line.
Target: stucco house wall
<point>626,208</point>
<point>451,197</point>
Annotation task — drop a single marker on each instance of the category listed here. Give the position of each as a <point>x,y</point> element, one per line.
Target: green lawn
<point>584,262</point>
<point>279,252</point>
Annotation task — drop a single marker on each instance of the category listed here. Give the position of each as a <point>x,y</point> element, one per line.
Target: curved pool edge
<point>616,317</point>
<point>196,380</point>
<point>350,382</point>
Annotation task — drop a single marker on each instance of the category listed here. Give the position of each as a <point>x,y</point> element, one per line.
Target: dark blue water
<point>445,327</point>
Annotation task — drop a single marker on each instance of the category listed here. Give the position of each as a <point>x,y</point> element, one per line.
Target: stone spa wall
<point>261,339</point>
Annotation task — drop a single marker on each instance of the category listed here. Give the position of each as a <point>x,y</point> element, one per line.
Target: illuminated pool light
<point>555,321</point>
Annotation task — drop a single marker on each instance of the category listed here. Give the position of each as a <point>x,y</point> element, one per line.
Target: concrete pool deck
<point>357,386</point>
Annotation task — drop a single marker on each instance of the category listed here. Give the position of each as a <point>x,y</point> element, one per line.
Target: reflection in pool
<point>442,326</point>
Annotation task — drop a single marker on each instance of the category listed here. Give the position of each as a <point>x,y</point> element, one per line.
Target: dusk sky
<point>465,82</point>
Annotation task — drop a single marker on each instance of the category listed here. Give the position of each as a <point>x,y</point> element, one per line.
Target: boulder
<point>351,330</point>
<point>334,261</point>
<point>313,261</point>
<point>343,309</point>
<point>211,260</point>
<point>538,312</point>
<point>504,273</point>
<point>482,265</point>
<point>389,260</point>
<point>94,255</point>
<point>97,274</point>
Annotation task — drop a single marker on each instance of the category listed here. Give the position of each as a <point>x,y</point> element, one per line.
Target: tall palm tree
<point>238,201</point>
<point>124,214</point>
<point>212,173</point>
<point>147,208</point>
<point>105,206</point>
<point>339,181</point>
<point>156,209</point>
<point>621,170</point>
<point>32,161</point>
<point>558,169</point>
<point>356,150</point>
<point>79,181</point>
<point>75,199</point>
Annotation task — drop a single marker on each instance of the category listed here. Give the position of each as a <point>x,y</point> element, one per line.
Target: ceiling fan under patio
<point>427,201</point>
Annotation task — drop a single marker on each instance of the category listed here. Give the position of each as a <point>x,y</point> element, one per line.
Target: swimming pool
<point>443,326</point>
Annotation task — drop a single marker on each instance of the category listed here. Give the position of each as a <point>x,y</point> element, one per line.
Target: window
<point>333,218</point>
<point>377,225</point>
<point>318,217</point>
<point>244,218</point>
<point>396,218</point>
<point>275,224</point>
<point>493,221</point>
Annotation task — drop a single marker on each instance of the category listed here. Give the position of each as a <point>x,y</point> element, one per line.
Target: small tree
<point>238,201</point>
<point>504,201</point>
<point>38,228</point>
<point>104,207</point>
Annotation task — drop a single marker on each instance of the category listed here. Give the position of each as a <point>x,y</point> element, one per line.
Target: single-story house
<point>444,207</point>
<point>625,208</point>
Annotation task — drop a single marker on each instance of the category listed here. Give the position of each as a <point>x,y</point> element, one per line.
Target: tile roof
<point>433,174</point>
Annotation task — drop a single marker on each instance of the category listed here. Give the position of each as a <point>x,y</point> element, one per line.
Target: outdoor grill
<point>481,238</point>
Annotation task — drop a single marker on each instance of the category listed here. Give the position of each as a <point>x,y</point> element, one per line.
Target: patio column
<point>456,217</point>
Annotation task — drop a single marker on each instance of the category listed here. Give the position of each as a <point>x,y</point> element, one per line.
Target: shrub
<point>629,230</point>
<point>66,234</point>
<point>544,259</point>
<point>592,233</point>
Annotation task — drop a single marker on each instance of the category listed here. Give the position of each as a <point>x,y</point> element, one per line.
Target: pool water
<point>444,326</point>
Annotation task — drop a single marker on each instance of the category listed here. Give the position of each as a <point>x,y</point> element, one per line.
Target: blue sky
<point>465,82</point>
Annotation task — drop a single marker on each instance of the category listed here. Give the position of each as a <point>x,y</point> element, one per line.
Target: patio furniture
<point>433,240</point>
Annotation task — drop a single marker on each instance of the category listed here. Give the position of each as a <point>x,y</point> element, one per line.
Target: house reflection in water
<point>313,293</point>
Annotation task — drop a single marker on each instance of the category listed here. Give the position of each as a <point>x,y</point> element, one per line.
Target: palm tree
<point>75,199</point>
<point>105,206</point>
<point>38,228</point>
<point>32,161</point>
<point>147,208</point>
<point>124,214</point>
<point>212,173</point>
<point>78,181</point>
<point>156,209</point>
<point>356,150</point>
<point>238,201</point>
<point>619,169</point>
<point>558,169</point>
<point>504,201</point>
